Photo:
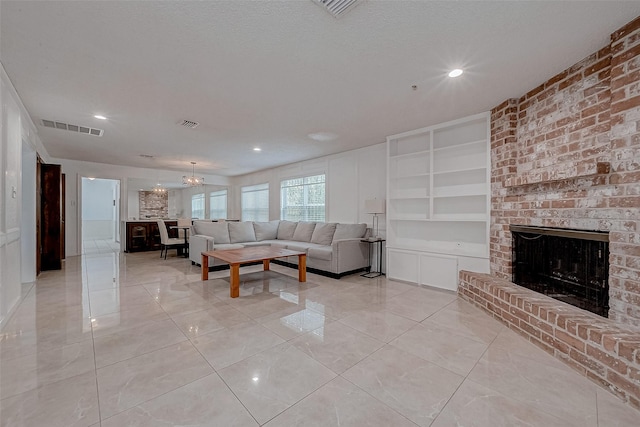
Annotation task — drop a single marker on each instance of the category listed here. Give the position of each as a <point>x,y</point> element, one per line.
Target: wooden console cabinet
<point>145,236</point>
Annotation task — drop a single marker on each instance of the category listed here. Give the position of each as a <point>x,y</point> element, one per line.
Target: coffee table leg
<point>205,267</point>
<point>266,264</point>
<point>234,291</point>
<point>302,268</point>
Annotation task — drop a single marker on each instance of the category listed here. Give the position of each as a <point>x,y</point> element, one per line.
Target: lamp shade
<point>374,206</point>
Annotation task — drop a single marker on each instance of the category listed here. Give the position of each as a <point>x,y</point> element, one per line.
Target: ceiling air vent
<point>189,124</point>
<point>337,7</point>
<point>72,128</point>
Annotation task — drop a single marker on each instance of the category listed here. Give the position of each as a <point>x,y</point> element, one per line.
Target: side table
<point>372,242</point>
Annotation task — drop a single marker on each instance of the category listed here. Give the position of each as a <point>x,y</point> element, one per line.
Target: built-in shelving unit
<point>439,202</point>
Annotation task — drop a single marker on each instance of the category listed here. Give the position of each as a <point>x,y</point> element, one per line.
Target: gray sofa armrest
<point>197,244</point>
<point>350,254</point>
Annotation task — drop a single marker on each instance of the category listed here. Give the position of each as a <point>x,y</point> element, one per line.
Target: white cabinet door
<point>439,271</point>
<point>402,265</point>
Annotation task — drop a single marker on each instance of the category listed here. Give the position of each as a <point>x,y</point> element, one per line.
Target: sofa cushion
<point>218,230</point>
<point>349,231</point>
<point>323,233</point>
<point>266,230</point>
<point>298,246</point>
<point>304,231</point>
<point>286,230</point>
<point>240,232</point>
<point>302,246</point>
<point>320,252</point>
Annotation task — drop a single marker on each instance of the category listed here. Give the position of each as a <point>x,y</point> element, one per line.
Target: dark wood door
<point>63,199</point>
<point>51,217</point>
<point>38,214</point>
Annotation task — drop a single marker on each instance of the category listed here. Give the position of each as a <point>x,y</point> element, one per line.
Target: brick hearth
<point>596,347</point>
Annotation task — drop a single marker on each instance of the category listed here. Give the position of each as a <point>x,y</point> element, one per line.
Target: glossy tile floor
<point>97,246</point>
<point>133,340</point>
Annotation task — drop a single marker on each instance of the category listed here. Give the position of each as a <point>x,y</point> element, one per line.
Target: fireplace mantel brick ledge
<point>598,348</point>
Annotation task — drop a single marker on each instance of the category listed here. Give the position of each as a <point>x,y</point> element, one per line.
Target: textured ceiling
<point>267,73</point>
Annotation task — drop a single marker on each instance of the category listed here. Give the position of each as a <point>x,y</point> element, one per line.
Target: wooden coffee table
<point>236,257</point>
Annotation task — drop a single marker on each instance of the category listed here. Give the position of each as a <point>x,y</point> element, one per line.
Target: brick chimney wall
<point>567,154</point>
<point>153,205</point>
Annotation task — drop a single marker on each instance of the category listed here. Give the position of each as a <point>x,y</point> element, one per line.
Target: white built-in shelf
<point>415,153</point>
<point>438,198</point>
<point>453,217</point>
<point>444,247</point>
<point>459,170</point>
<point>413,175</point>
<point>459,146</point>
<point>408,217</point>
<point>408,196</point>
<point>460,190</point>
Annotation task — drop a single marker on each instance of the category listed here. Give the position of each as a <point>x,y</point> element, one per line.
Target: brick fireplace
<point>567,155</point>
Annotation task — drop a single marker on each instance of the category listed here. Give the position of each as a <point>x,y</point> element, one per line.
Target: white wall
<point>16,128</point>
<point>133,204</point>
<point>97,208</point>
<point>175,204</point>
<point>351,178</point>
<point>28,214</point>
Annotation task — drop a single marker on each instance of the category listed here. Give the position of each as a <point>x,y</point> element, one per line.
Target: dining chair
<point>183,222</point>
<point>167,242</point>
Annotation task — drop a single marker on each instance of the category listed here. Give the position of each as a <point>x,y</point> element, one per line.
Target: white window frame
<point>199,197</point>
<point>305,211</point>
<point>218,213</point>
<point>258,213</point>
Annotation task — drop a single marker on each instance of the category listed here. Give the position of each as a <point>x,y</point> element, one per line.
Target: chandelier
<point>192,181</point>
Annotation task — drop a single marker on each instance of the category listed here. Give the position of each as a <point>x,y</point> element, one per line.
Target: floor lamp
<point>375,207</point>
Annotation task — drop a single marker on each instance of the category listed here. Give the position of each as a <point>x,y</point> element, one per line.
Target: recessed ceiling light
<point>323,136</point>
<point>455,73</point>
<point>91,178</point>
<point>98,116</point>
<point>257,149</point>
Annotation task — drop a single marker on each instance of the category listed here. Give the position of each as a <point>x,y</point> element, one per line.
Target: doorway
<point>100,215</point>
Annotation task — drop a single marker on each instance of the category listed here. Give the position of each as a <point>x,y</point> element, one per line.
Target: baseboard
<point>319,272</point>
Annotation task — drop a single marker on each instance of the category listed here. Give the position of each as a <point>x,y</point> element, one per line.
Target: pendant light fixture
<point>192,181</point>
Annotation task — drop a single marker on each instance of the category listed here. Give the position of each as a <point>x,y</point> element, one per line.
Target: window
<point>302,199</point>
<point>255,202</point>
<point>197,206</point>
<point>218,204</point>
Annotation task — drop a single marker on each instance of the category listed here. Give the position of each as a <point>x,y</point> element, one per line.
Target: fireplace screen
<point>568,265</point>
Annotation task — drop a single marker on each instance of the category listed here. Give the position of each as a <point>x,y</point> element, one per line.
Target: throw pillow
<point>266,230</point>
<point>323,233</point>
<point>286,230</point>
<point>218,230</point>
<point>240,232</point>
<point>304,231</point>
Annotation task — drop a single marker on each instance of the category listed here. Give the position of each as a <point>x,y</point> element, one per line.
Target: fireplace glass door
<point>568,265</point>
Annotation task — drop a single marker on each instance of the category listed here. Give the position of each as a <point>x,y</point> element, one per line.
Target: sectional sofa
<point>333,249</point>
